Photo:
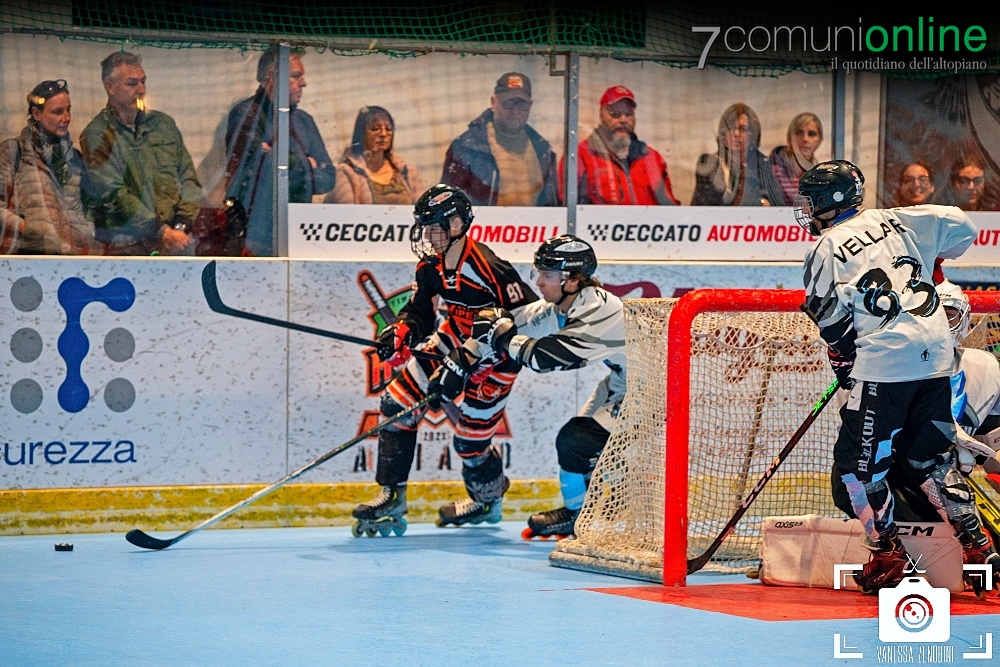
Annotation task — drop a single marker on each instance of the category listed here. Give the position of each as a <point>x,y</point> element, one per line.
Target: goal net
<point>745,369</point>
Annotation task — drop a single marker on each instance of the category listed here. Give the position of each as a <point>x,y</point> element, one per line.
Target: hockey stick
<point>695,564</point>
<point>988,510</point>
<point>141,539</point>
<point>211,289</point>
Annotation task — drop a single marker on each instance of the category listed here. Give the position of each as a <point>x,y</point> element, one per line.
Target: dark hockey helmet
<point>436,207</point>
<point>828,188</point>
<point>566,253</point>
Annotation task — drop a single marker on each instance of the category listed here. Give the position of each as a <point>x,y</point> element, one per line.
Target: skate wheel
<point>527,534</point>
<point>356,530</point>
<point>385,531</point>
<point>371,532</point>
<point>400,527</point>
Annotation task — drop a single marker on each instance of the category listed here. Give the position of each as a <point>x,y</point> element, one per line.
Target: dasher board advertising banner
<point>359,231</point>
<point>618,233</point>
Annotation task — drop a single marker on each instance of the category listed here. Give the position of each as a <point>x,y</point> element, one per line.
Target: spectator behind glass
<point>614,166</point>
<point>789,162</point>
<point>140,171</point>
<point>916,185</point>
<point>739,174</point>
<point>43,181</point>
<point>500,159</point>
<point>369,172</point>
<point>966,186</point>
<point>249,137</point>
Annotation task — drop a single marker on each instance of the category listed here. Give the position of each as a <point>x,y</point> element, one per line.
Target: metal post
<point>839,112</point>
<point>570,181</point>
<point>280,150</point>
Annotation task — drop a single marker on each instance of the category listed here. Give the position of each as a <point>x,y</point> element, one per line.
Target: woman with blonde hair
<point>369,172</point>
<point>798,155</point>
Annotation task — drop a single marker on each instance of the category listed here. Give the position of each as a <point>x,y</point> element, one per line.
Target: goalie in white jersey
<point>869,289</point>
<point>577,323</point>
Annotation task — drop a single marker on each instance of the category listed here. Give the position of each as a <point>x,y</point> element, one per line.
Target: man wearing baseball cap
<point>500,159</point>
<point>614,167</point>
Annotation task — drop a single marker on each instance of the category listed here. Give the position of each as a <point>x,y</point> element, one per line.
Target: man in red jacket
<point>614,167</point>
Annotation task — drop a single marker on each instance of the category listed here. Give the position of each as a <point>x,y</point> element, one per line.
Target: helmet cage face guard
<point>428,219</point>
<point>803,214</point>
<point>956,307</point>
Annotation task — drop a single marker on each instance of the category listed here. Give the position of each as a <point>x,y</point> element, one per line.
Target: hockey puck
<point>64,546</point>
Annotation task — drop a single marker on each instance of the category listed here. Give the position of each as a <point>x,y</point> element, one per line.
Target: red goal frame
<point>675,481</point>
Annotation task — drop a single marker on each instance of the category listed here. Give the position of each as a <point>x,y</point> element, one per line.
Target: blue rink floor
<point>316,596</point>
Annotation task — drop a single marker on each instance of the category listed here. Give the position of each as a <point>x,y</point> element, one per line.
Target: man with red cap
<point>614,167</point>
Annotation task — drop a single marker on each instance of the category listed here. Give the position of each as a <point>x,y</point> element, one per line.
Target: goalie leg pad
<point>483,476</point>
<point>948,491</point>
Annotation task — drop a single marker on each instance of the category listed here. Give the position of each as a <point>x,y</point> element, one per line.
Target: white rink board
<point>618,233</point>
<point>221,400</point>
<point>209,391</point>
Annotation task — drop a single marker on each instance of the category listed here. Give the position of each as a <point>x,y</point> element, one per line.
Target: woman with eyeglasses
<point>798,155</point>
<point>916,185</point>
<point>966,187</point>
<point>43,181</point>
<point>369,172</point>
<point>738,174</point>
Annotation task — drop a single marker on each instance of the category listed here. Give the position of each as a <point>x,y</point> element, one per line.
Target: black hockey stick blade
<point>211,289</point>
<point>214,300</point>
<point>695,564</point>
<point>141,539</point>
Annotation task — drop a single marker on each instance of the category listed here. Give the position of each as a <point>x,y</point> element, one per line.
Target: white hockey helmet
<point>956,307</point>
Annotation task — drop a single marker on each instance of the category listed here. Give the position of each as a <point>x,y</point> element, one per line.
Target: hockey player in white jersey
<point>577,323</point>
<point>868,287</point>
<point>975,404</point>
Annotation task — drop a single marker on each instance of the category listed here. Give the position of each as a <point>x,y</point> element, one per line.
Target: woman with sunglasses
<point>43,181</point>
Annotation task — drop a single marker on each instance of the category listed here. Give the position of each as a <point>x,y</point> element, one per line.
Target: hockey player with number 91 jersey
<point>869,289</point>
<point>466,276</point>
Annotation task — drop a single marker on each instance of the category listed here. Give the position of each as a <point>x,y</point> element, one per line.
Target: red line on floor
<point>779,603</point>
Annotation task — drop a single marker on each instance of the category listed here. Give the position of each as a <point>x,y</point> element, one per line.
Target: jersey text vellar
<point>856,244</point>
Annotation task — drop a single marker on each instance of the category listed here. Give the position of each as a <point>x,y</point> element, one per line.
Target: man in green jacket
<point>143,176</point>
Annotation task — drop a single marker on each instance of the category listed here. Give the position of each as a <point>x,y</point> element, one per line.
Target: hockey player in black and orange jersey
<point>467,276</point>
<point>866,281</point>
<point>578,323</point>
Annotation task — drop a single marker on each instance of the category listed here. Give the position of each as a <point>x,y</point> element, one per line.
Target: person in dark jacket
<point>738,174</point>
<point>500,160</point>
<point>249,137</point>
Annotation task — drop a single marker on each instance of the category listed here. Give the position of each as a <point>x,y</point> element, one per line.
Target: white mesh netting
<point>754,379</point>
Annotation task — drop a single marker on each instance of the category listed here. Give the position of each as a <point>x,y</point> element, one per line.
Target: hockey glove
<point>452,375</point>
<point>494,327</point>
<point>394,343</point>
<point>842,367</point>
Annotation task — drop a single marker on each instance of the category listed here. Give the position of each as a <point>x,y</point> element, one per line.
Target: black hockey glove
<point>842,367</point>
<point>494,327</point>
<point>394,343</point>
<point>452,375</point>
